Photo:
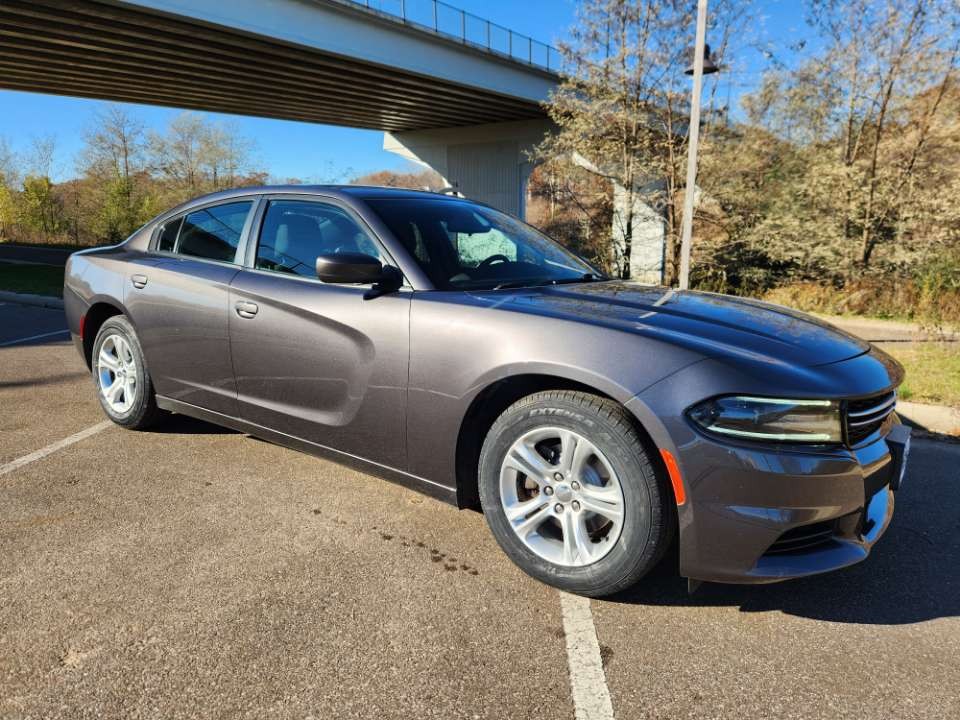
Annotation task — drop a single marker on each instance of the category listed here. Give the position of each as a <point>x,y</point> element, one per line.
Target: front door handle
<point>139,281</point>
<point>246,309</point>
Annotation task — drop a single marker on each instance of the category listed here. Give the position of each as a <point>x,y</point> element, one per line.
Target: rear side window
<point>212,233</point>
<point>168,235</point>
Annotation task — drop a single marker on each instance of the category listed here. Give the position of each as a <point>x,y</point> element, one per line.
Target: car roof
<point>346,193</point>
<point>343,191</point>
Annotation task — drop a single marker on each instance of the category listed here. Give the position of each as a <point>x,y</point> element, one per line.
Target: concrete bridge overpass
<point>453,91</point>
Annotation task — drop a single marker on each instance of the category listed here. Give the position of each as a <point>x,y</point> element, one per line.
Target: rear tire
<point>120,376</point>
<point>589,512</point>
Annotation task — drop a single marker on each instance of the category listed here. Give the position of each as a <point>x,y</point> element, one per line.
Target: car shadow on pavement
<point>912,575</point>
<point>186,425</point>
<point>47,380</point>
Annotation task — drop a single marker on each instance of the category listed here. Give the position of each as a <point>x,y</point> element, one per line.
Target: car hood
<point>714,325</point>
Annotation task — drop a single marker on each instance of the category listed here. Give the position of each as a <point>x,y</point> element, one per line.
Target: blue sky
<point>318,152</point>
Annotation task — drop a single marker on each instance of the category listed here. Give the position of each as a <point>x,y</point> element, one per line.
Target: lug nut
<point>575,485</point>
<point>548,490</point>
<point>558,476</point>
<point>575,505</point>
<point>558,507</point>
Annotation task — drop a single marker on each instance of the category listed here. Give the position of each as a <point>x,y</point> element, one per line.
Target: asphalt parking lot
<point>197,572</point>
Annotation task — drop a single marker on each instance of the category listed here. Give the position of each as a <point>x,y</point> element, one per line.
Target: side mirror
<point>359,269</point>
<point>349,268</point>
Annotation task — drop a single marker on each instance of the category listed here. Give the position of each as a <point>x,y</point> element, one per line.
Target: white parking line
<point>49,449</point>
<point>33,337</point>
<point>588,683</point>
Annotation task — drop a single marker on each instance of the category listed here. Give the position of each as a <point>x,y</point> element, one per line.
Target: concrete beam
<point>350,32</point>
<point>307,60</point>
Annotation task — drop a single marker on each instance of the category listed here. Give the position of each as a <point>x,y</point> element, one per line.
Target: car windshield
<point>464,246</point>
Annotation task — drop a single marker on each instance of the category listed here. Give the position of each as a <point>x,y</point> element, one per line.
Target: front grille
<point>804,538</point>
<point>865,417</point>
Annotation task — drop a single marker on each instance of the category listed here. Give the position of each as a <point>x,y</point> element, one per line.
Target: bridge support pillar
<point>490,163</point>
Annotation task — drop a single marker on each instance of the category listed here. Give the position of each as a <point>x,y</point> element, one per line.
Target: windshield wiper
<point>586,277</point>
<point>515,284</point>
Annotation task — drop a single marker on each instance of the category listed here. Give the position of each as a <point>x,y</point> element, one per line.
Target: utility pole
<point>688,196</point>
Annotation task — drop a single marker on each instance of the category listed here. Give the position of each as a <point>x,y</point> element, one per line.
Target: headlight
<point>772,419</point>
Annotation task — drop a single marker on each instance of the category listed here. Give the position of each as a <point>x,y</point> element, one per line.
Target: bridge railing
<point>443,19</point>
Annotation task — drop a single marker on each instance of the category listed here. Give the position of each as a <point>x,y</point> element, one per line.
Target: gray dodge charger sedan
<point>447,346</point>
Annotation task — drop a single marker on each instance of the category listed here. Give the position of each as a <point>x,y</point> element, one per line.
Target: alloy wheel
<point>561,496</point>
<point>117,373</point>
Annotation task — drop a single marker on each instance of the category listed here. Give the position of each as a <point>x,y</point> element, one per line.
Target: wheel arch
<point>494,398</point>
<point>96,315</point>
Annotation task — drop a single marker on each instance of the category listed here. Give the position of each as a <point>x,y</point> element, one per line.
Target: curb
<point>931,418</point>
<point>45,301</point>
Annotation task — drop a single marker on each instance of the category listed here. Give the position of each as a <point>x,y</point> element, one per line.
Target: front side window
<point>295,232</point>
<point>464,246</point>
<point>212,233</point>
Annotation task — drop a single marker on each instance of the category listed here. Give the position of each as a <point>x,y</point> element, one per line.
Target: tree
<point>8,164</point>
<point>113,157</point>
<point>8,181</point>
<point>761,224</point>
<point>573,206</point>
<point>8,210</point>
<point>423,180</point>
<point>224,155</point>
<point>622,106</point>
<point>115,143</point>
<point>125,176</point>
<point>196,156</point>
<point>40,210</point>
<point>176,155</point>
<point>867,105</point>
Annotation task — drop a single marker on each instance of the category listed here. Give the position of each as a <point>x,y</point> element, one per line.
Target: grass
<point>44,244</point>
<point>933,371</point>
<point>36,279</point>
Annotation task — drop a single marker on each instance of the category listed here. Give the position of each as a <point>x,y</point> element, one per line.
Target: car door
<point>317,361</point>
<point>177,298</point>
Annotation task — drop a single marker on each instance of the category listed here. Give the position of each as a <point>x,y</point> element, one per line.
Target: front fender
<point>459,348</point>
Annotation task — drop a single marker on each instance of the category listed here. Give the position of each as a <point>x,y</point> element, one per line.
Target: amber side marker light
<point>674,471</point>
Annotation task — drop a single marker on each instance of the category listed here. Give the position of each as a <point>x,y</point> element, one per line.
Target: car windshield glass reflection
<point>464,246</point>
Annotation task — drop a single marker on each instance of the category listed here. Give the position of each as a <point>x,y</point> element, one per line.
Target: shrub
<point>930,299</point>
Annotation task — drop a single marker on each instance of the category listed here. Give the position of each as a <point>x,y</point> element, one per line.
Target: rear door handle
<point>246,309</point>
<point>139,281</point>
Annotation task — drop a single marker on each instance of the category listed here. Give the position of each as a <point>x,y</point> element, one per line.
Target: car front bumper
<point>759,515</point>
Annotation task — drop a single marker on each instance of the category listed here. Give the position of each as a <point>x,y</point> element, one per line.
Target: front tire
<point>571,495</point>
<point>120,376</point>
